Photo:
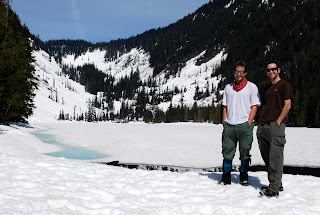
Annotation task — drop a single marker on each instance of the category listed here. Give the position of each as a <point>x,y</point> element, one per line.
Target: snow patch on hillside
<point>122,66</point>
<point>229,4</point>
<point>56,92</point>
<point>189,78</point>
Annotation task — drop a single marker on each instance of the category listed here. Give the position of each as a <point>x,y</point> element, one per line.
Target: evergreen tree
<point>17,80</point>
<point>317,116</point>
<point>91,113</point>
<point>303,114</point>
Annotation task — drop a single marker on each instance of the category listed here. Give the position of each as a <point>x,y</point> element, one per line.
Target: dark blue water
<point>70,152</point>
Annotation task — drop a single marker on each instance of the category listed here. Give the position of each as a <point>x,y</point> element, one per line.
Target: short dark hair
<point>272,61</point>
<point>240,63</point>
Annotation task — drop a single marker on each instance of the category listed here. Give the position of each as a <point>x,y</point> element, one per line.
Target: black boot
<point>244,179</point>
<point>268,193</point>
<point>226,176</point>
<point>280,188</point>
<point>244,168</point>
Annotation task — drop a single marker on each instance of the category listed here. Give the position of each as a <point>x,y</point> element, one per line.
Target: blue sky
<point>99,20</point>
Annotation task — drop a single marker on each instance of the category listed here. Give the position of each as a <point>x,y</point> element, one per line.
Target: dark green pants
<point>232,134</point>
<point>271,139</point>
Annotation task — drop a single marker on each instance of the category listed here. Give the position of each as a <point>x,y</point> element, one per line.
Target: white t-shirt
<point>239,103</point>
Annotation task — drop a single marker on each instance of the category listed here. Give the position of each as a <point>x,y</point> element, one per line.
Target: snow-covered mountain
<point>69,97</point>
<point>180,63</point>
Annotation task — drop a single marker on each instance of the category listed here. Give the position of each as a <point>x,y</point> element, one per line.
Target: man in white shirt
<point>240,100</point>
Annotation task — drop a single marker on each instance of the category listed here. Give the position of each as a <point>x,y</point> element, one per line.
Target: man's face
<point>239,74</point>
<point>273,71</point>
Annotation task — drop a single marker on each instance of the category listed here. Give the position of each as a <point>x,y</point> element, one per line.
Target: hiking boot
<point>226,178</point>
<point>268,193</point>
<point>244,179</point>
<point>264,188</point>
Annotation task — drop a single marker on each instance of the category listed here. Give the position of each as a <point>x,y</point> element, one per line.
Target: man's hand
<point>252,114</point>
<point>285,111</point>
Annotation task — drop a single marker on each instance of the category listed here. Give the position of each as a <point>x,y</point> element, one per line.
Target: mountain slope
<point>254,31</point>
<point>56,92</point>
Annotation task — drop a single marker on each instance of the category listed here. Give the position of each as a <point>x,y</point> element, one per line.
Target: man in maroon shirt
<point>276,102</point>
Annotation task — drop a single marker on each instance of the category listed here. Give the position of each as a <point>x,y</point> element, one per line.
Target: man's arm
<point>224,113</point>
<point>285,111</point>
<point>252,114</point>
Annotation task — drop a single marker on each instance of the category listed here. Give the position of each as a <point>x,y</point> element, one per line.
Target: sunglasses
<point>272,69</point>
<point>237,71</point>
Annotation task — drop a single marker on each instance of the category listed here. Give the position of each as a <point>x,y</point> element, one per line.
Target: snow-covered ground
<point>33,183</point>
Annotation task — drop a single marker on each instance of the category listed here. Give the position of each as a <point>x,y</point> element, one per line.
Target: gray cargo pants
<point>271,139</point>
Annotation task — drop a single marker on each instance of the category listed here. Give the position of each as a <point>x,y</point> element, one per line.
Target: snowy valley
<point>35,183</point>
<point>72,98</point>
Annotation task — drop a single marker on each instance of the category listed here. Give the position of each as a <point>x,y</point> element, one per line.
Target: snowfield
<point>33,183</point>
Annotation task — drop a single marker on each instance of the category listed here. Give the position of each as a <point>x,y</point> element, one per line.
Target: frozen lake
<point>178,144</point>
